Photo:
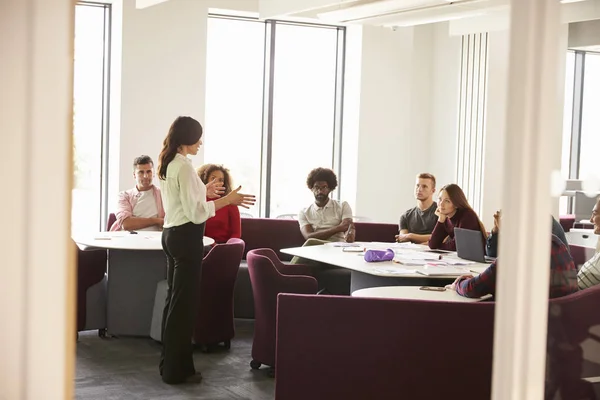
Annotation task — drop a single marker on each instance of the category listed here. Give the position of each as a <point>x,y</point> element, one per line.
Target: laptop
<point>470,245</point>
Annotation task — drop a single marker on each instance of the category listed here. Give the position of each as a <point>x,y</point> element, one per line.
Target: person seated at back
<point>325,220</point>
<point>563,273</point>
<point>453,211</point>
<point>140,208</point>
<point>491,246</point>
<point>226,223</point>
<point>589,274</point>
<point>417,223</point>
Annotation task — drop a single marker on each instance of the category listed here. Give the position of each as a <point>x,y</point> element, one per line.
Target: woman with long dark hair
<point>186,210</point>
<point>454,211</point>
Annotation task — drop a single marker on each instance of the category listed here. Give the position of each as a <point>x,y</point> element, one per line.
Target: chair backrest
<point>357,218</point>
<point>224,256</point>
<point>580,254</point>
<point>288,216</point>
<point>112,218</point>
<point>270,254</point>
<point>237,241</point>
<point>325,329</point>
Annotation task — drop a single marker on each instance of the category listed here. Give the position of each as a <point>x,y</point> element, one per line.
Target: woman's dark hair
<point>458,198</point>
<point>183,131</point>
<point>206,170</point>
<point>322,174</point>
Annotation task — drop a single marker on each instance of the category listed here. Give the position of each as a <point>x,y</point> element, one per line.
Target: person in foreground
<point>186,211</point>
<point>417,223</point>
<point>562,275</point>
<point>454,211</point>
<point>589,274</point>
<point>491,246</point>
<point>140,208</point>
<point>226,223</point>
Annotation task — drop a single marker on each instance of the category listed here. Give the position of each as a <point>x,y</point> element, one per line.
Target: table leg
<point>132,279</point>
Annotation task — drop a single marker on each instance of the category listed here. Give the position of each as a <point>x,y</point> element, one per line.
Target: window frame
<point>264,203</point>
<point>105,122</point>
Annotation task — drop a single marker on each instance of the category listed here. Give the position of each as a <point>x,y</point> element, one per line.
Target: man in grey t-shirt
<point>417,223</point>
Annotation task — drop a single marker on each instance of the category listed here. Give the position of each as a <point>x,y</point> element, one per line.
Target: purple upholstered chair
<point>269,277</point>
<point>112,218</point>
<point>580,254</point>
<point>355,348</point>
<point>91,290</point>
<point>214,321</point>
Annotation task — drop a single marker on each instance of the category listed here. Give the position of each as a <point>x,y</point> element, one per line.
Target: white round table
<point>136,263</point>
<point>123,240</point>
<point>413,293</point>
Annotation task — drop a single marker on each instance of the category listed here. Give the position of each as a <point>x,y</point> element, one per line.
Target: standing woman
<point>186,211</point>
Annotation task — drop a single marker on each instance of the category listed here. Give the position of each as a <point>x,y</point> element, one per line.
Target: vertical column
<point>37,288</point>
<point>523,268</point>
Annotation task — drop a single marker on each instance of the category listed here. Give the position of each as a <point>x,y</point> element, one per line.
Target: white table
<point>136,263</point>
<point>583,237</point>
<point>365,274</point>
<point>122,240</point>
<point>413,293</point>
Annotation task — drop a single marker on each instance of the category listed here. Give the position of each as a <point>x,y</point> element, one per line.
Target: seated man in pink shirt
<point>140,208</point>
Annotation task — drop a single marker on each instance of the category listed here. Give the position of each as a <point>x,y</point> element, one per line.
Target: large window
<point>581,126</point>
<point>590,118</point>
<point>273,106</point>
<point>92,26</point>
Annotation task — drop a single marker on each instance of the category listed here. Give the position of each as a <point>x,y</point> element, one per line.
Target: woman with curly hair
<point>454,211</point>
<point>226,223</point>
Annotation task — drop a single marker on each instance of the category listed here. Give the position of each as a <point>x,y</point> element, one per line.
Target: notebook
<point>469,245</point>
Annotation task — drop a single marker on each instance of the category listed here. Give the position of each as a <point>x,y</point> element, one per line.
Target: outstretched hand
<point>214,189</point>
<point>239,199</point>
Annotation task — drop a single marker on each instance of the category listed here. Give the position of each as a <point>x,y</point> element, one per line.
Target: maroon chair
<point>579,254</point>
<point>355,348</point>
<point>112,218</point>
<point>91,290</point>
<point>572,343</point>
<point>214,321</point>
<point>269,277</point>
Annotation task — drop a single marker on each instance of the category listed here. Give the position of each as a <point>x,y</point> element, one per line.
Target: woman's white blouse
<point>184,194</point>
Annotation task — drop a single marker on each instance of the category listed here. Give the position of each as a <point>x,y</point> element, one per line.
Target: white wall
<point>408,115</point>
<point>445,100</point>
<point>386,161</point>
<point>497,87</point>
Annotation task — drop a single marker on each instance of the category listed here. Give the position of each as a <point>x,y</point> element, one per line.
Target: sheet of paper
<point>394,270</point>
<point>343,244</point>
<point>442,270</point>
<point>454,261</point>
<point>408,261</point>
